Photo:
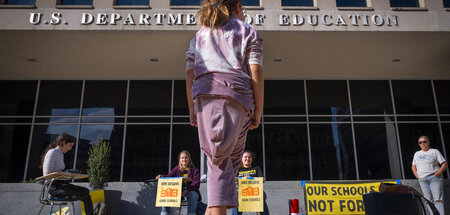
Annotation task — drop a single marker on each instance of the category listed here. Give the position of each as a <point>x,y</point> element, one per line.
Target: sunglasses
<point>421,142</point>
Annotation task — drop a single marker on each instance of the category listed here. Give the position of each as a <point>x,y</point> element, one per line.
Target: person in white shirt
<point>428,165</point>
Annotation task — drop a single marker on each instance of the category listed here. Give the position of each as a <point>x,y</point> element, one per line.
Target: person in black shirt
<point>247,170</point>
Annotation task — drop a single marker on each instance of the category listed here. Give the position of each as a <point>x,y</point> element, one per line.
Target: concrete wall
<point>139,198</point>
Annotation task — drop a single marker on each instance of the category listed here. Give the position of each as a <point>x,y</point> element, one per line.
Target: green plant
<point>99,164</point>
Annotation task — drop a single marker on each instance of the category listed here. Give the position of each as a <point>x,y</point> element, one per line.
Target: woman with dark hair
<point>428,166</point>
<point>248,170</point>
<point>225,92</point>
<point>53,161</point>
<point>191,192</point>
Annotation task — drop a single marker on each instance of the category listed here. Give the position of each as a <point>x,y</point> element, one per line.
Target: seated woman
<point>53,161</point>
<point>191,191</point>
<point>247,170</point>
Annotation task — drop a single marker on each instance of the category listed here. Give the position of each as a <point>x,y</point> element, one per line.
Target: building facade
<point>350,85</point>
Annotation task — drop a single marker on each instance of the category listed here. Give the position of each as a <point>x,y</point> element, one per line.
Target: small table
<point>62,176</point>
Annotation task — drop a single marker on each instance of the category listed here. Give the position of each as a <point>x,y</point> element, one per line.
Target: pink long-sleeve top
<point>220,59</point>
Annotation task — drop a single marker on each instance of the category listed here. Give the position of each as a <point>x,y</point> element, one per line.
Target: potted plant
<point>99,171</point>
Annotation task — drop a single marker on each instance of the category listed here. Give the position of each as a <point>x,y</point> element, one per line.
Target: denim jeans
<point>266,208</point>
<point>433,190</point>
<point>192,199</point>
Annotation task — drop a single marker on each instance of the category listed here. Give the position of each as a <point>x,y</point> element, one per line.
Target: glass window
<point>104,98</point>
<point>59,98</point>
<point>305,3</point>
<point>413,97</point>
<point>254,144</point>
<point>327,97</point>
<point>287,156</point>
<point>20,2</point>
<point>111,133</point>
<point>377,151</point>
<point>76,2</point>
<point>14,151</point>
<point>17,97</point>
<point>371,97</point>
<point>446,134</point>
<point>284,97</point>
<point>185,137</point>
<point>404,3</point>
<point>185,2</point>
<point>146,152</point>
<point>351,3</point>
<point>442,88</point>
<point>332,152</point>
<point>132,2</point>
<point>150,98</point>
<point>180,104</point>
<point>409,134</point>
<point>250,3</point>
<point>447,3</point>
<point>42,136</point>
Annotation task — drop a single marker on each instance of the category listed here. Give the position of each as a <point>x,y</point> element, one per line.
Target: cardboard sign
<point>250,194</point>
<point>338,198</point>
<point>169,192</point>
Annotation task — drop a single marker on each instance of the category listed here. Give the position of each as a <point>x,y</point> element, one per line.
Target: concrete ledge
<point>139,197</point>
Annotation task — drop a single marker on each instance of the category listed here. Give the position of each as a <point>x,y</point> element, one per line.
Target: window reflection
<point>351,3</point>
<point>59,98</point>
<point>146,152</point>
<point>150,98</point>
<point>413,97</point>
<point>371,97</point>
<point>76,2</point>
<point>287,156</point>
<point>13,154</point>
<point>17,97</point>
<point>327,97</point>
<point>305,3</point>
<point>132,2</point>
<point>104,98</point>
<point>20,2</point>
<point>404,3</point>
<point>283,97</point>
<point>442,88</point>
<point>185,2</point>
<point>332,152</point>
<point>377,151</point>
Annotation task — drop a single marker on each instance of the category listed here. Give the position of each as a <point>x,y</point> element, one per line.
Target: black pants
<point>64,190</point>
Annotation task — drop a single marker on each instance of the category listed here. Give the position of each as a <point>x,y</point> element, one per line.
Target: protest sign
<point>169,192</point>
<point>250,195</point>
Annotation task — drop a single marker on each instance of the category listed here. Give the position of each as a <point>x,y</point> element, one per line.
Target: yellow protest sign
<point>338,198</point>
<point>250,195</point>
<point>169,192</point>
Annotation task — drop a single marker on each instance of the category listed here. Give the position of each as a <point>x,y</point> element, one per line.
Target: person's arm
<point>442,169</point>
<point>189,82</point>
<point>190,60</point>
<point>257,76</point>
<point>195,184</point>
<point>414,170</point>
<point>172,173</point>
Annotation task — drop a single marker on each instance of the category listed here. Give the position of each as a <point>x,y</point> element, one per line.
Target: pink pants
<point>222,129</point>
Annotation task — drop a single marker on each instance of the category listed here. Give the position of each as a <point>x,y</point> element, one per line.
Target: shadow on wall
<point>145,201</point>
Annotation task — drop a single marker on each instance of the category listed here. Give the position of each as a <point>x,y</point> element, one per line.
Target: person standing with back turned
<point>225,92</point>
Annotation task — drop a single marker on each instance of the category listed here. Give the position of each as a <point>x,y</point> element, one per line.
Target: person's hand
<point>256,120</point>
<point>247,176</point>
<point>184,193</point>
<point>437,174</point>
<point>157,177</point>
<point>193,118</point>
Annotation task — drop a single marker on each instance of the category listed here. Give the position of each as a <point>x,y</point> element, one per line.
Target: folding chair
<point>46,199</point>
